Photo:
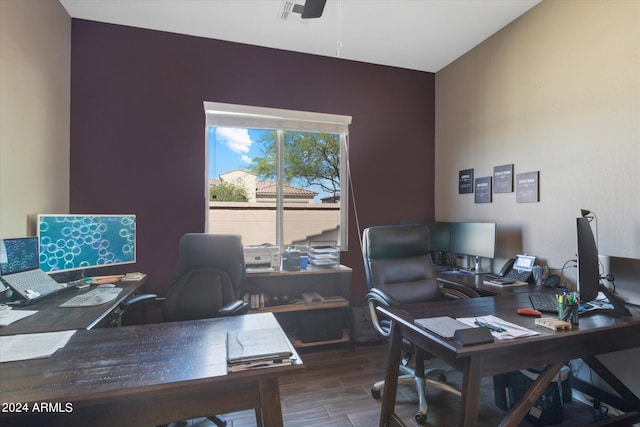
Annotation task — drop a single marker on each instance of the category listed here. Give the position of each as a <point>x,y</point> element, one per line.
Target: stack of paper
<point>501,329</point>
<point>32,346</point>
<point>258,348</point>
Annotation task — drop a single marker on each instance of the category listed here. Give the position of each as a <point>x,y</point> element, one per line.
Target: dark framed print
<point>528,187</point>
<point>483,190</point>
<point>503,179</point>
<point>465,181</point>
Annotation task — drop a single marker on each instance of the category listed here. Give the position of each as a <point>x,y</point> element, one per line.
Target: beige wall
<point>35,75</point>
<point>257,221</point>
<point>557,91</point>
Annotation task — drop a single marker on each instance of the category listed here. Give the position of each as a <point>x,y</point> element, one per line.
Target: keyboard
<point>544,302</point>
<point>94,297</point>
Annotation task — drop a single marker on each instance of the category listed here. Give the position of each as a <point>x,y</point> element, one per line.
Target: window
<point>276,176</point>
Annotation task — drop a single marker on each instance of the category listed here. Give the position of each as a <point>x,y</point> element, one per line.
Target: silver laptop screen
<point>17,255</point>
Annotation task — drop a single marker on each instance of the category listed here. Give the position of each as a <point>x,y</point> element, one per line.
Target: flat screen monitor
<point>439,235</point>
<point>588,271</point>
<point>477,239</point>
<point>71,242</point>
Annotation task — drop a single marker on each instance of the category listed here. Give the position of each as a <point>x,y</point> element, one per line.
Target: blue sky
<point>235,148</point>
<point>232,148</point>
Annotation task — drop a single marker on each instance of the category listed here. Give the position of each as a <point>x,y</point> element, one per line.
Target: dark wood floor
<point>335,390</point>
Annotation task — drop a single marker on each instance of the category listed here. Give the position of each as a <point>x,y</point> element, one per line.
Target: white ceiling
<point>423,35</point>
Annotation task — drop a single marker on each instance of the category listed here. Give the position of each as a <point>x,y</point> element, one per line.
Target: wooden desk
<point>50,317</point>
<point>596,334</point>
<point>476,281</point>
<point>143,376</point>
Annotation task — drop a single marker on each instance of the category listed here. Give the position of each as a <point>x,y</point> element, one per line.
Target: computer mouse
<point>106,285</point>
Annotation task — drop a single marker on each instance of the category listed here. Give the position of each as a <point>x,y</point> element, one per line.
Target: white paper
<point>513,330</point>
<point>10,316</point>
<point>32,346</point>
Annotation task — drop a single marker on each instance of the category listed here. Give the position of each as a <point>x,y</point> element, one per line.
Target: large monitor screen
<point>473,238</point>
<point>588,269</point>
<point>77,242</point>
<point>439,235</point>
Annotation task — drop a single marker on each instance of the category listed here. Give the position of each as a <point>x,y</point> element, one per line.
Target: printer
<point>262,258</point>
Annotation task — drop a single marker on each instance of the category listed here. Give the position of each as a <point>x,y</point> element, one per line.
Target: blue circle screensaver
<point>84,241</point>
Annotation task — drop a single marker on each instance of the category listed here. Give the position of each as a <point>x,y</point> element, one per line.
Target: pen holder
<point>568,313</point>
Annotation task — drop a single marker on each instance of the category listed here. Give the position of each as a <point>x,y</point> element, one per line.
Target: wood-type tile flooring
<point>335,390</point>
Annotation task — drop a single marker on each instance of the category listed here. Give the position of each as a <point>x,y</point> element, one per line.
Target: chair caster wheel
<point>437,374</point>
<point>376,394</point>
<point>421,418</point>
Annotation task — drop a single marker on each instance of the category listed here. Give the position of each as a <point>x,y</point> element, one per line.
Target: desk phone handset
<point>518,268</point>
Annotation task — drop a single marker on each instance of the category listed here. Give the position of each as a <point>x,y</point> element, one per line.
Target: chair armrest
<point>376,297</point>
<point>379,297</point>
<point>455,291</point>
<point>139,300</point>
<point>233,308</point>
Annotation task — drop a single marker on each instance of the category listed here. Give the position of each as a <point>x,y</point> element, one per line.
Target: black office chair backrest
<point>208,275</point>
<point>398,262</point>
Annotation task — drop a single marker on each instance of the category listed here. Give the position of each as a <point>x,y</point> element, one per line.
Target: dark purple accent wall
<point>137,130</point>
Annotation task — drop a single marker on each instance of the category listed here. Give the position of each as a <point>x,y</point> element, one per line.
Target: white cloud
<point>237,140</point>
<point>245,158</point>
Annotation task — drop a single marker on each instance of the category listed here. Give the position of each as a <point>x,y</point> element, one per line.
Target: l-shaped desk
<point>133,375</point>
<point>596,334</point>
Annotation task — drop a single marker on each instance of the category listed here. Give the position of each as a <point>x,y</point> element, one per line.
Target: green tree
<point>228,192</point>
<point>310,159</point>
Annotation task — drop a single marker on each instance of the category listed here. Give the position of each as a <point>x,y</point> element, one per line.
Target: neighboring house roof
<point>268,188</point>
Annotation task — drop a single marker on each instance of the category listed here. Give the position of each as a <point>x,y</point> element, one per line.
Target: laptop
<point>20,269</point>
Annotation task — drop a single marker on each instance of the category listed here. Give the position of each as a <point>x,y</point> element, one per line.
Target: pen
<point>490,326</point>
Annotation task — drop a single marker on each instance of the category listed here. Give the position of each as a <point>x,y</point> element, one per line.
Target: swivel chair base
<point>432,378</point>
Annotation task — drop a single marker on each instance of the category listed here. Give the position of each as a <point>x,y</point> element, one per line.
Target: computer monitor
<point>439,238</point>
<point>72,242</point>
<point>439,235</point>
<point>475,239</point>
<point>588,277</point>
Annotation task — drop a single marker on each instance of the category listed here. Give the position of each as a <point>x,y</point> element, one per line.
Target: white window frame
<point>244,116</point>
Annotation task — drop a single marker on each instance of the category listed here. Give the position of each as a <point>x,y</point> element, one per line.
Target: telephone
<point>519,268</point>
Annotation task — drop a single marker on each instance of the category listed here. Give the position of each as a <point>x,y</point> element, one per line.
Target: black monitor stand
<point>618,307</point>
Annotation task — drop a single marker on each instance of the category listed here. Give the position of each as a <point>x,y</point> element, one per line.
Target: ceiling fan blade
<point>313,9</point>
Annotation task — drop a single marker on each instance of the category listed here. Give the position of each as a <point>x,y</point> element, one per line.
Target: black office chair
<point>205,283</point>
<point>399,270</point>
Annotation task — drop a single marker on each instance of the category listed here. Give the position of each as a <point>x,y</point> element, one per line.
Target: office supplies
<point>553,323</point>
<point>21,269</point>
<point>10,316</point>
<point>492,327</point>
<point>547,303</point>
<point>529,312</point>
<point>473,336</point>
<point>32,346</point>
<point>261,345</point>
<point>444,326</point>
<point>500,328</point>
<point>97,296</point>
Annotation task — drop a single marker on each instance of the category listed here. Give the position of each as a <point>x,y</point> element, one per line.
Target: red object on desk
<point>529,312</point>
